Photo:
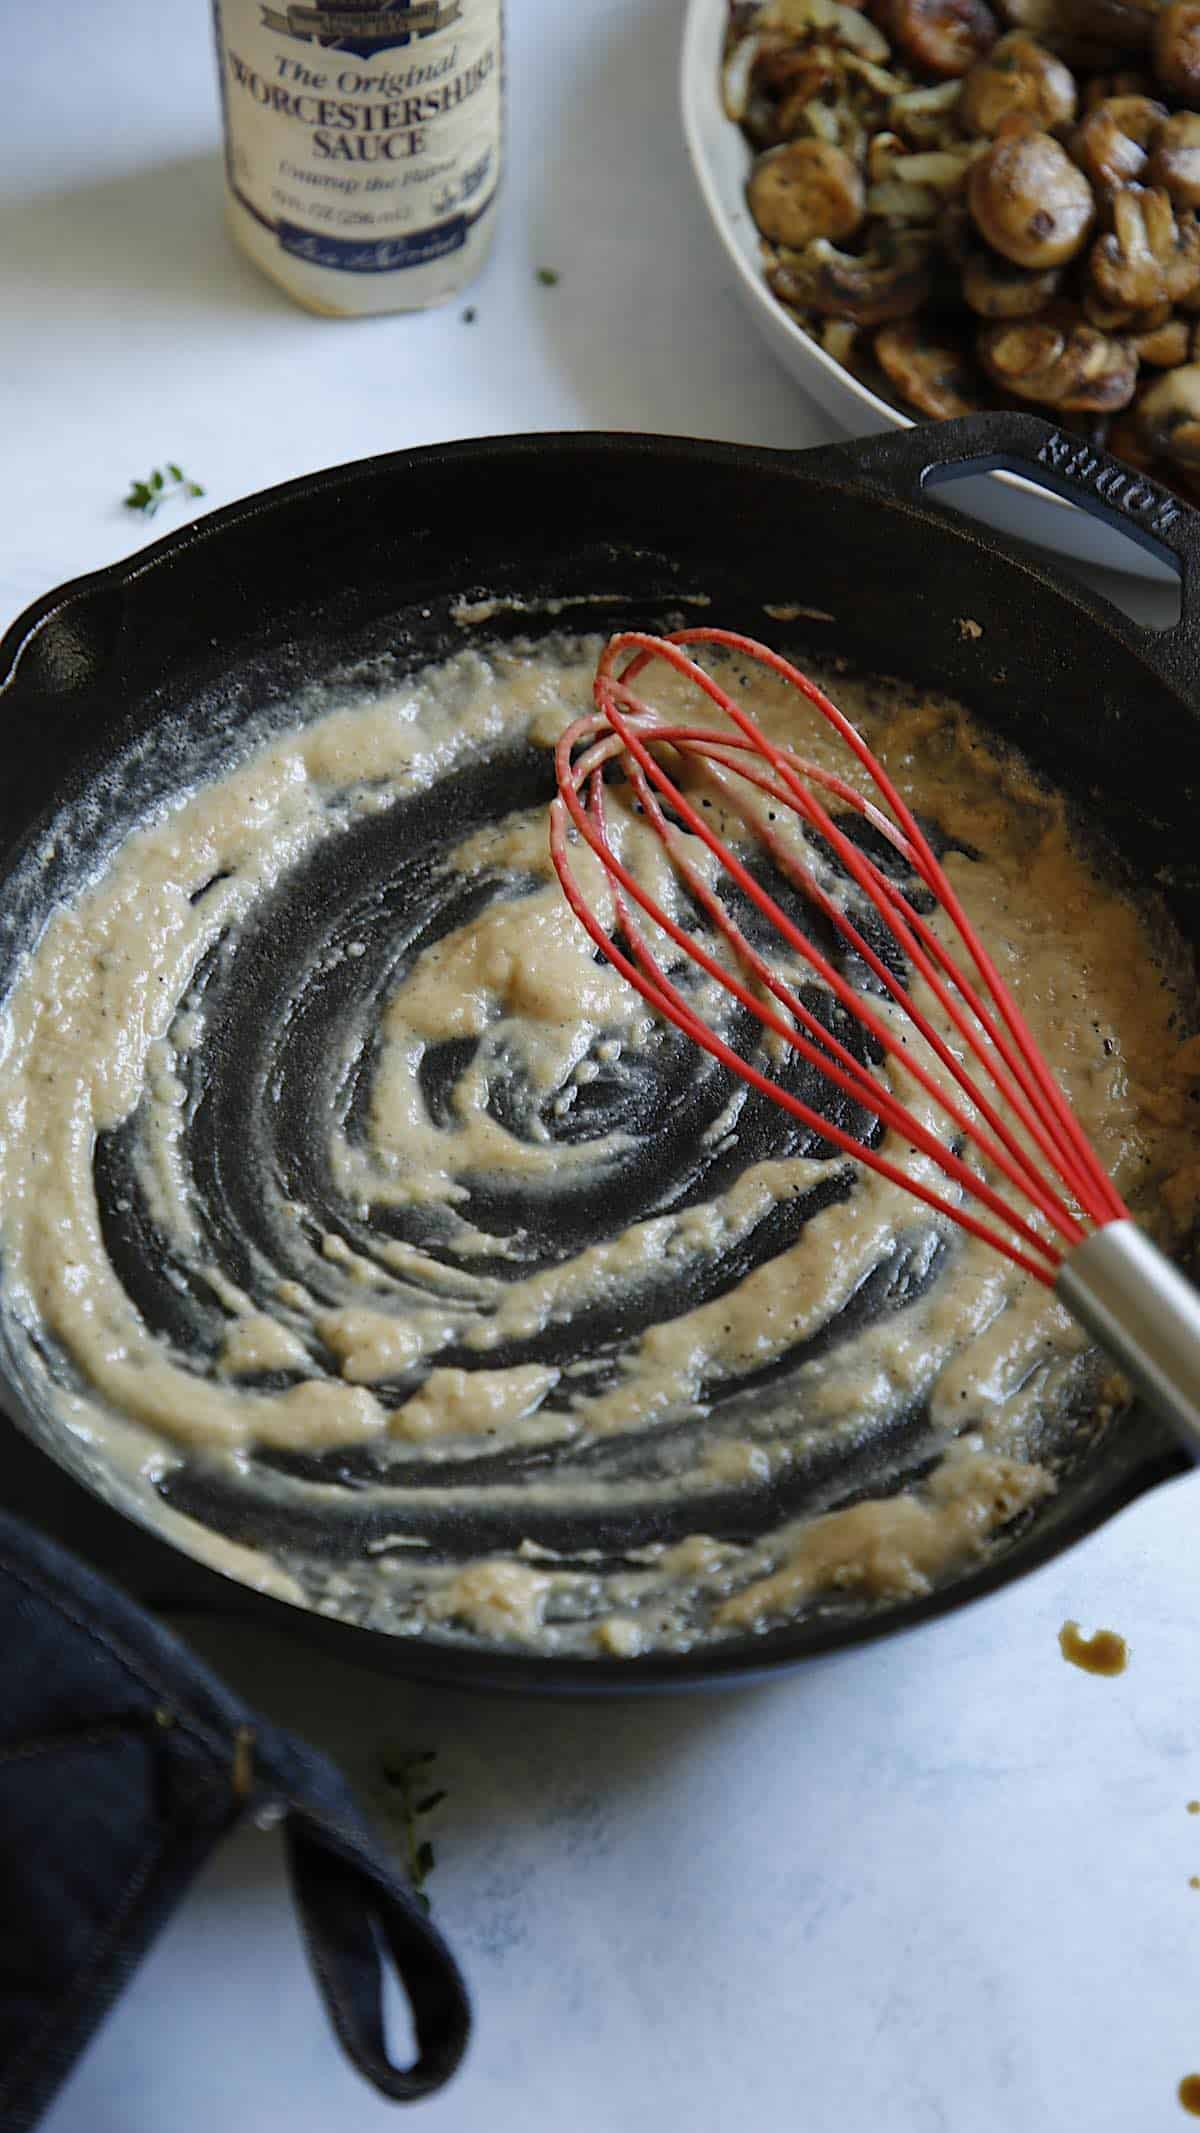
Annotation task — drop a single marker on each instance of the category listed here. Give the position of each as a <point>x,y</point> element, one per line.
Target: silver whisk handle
<point>1146,1313</point>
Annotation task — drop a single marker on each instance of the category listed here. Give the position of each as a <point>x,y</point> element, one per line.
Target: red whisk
<point>1069,1227</point>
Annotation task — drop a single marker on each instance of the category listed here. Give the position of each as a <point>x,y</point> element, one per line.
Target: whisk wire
<point>623,728</point>
<point>885,892</point>
<point>1027,1059</point>
<point>665,998</point>
<point>1068,1148</point>
<point>655,986</point>
<point>875,1096</point>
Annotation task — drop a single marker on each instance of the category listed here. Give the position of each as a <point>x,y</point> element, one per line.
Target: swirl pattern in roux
<point>376,1221</point>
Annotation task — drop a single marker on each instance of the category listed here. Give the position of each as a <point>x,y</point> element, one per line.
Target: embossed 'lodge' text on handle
<point>1094,474</point>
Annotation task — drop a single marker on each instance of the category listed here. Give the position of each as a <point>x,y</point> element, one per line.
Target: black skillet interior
<point>124,686</point>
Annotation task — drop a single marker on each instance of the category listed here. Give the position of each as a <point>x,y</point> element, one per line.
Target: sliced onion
<point>735,77</point>
<point>893,201</point>
<point>940,168</point>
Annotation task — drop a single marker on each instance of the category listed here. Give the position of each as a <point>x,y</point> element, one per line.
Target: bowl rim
<point>699,81</point>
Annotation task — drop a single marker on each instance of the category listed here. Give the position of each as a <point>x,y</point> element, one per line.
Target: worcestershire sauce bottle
<point>362,146</point>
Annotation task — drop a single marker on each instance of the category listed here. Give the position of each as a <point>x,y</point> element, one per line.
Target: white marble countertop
<point>938,1884</point>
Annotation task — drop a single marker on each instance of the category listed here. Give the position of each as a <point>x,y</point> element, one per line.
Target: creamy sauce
<point>468,1235</point>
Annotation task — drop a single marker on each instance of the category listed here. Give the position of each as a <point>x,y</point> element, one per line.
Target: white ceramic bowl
<point>721,159</point>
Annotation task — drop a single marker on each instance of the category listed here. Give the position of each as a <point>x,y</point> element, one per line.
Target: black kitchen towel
<point>123,1763</point>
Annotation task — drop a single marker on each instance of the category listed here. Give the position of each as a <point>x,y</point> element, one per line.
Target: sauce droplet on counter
<point>1189,2094</point>
<point>1194,1881</point>
<point>1194,1807</point>
<point>1103,1653</point>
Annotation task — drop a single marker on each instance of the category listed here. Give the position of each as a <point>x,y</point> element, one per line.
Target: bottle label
<point>366,138</point>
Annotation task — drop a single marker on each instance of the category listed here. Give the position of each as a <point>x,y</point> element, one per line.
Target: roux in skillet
<point>337,1172</point>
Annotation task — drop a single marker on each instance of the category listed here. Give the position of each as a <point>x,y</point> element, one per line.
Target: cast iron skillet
<point>182,642</point>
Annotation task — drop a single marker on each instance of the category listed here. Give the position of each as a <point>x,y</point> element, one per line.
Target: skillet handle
<point>905,464</point>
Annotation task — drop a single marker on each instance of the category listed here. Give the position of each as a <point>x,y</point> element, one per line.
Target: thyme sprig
<point>406,1774</point>
<point>163,485</point>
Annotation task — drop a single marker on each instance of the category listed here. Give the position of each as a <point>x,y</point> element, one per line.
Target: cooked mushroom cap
<point>1175,163</point>
<point>1164,347</point>
<point>1177,51</point>
<point>955,231</point>
<point>1121,25</point>
<point>1114,141</point>
<point>943,37</point>
<point>932,373</point>
<point>783,66</point>
<point>789,84</point>
<point>1018,78</point>
<point>778,59</point>
<point>1060,363</point>
<point>870,289</point>
<point>1039,16</point>
<point>803,190</point>
<point>1125,441</point>
<point>1121,318</point>
<point>1099,87</point>
<point>816,79</point>
<point>1088,34</point>
<point>1150,256</point>
<point>1029,201</point>
<point>994,288</point>
<point>1168,416</point>
<point>792,118</point>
